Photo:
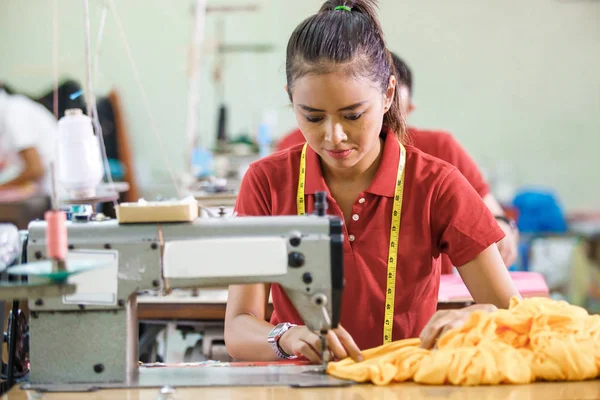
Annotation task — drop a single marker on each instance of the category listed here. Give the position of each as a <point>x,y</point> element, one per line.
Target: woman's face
<point>341,117</point>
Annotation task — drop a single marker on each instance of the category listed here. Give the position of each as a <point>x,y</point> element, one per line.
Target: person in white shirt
<point>28,133</point>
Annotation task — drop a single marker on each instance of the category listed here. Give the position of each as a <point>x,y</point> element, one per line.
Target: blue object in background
<point>202,162</point>
<point>75,95</point>
<point>264,139</point>
<point>117,169</point>
<point>539,211</point>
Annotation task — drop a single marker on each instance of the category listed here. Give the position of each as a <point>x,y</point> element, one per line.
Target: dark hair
<point>403,72</point>
<point>353,39</point>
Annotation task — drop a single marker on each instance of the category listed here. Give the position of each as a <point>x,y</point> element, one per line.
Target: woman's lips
<point>339,153</point>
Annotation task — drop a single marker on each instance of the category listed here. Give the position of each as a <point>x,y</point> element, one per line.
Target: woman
<point>340,80</point>
<point>444,146</point>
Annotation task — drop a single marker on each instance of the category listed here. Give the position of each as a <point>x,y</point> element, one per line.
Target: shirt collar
<point>384,182</point>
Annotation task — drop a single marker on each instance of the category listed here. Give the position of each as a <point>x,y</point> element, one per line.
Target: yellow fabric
<point>535,339</point>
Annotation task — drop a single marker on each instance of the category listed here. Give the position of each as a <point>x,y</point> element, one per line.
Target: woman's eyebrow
<point>347,108</point>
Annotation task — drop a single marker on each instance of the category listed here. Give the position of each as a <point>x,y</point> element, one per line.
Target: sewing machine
<point>90,337</point>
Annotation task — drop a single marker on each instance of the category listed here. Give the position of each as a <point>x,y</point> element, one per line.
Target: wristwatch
<point>274,337</point>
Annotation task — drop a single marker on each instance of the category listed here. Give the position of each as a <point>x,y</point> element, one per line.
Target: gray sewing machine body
<point>91,336</point>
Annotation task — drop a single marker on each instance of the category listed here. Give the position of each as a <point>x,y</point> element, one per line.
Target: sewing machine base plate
<point>305,376</point>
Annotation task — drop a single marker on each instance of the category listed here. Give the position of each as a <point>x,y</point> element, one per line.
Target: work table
<point>589,390</point>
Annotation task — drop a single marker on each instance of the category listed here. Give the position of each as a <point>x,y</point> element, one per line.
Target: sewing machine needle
<point>324,351</point>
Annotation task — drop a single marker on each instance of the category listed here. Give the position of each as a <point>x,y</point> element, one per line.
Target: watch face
<point>278,331</point>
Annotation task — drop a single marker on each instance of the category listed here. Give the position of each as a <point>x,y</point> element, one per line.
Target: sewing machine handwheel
<point>43,269</point>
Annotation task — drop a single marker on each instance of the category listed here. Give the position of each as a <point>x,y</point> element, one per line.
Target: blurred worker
<point>28,133</point>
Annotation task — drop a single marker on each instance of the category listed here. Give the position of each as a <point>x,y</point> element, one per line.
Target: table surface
<point>206,199</point>
<point>545,391</point>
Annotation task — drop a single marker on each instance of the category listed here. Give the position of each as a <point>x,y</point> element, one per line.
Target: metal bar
<point>193,95</point>
<point>89,97</point>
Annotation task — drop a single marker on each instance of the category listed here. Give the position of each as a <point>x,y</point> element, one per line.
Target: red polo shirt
<point>441,214</point>
<point>437,143</point>
<point>290,140</point>
<point>444,146</point>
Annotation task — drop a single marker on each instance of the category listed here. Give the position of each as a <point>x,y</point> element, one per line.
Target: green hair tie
<point>343,8</point>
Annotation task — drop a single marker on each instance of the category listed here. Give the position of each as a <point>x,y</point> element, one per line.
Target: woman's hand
<point>301,341</point>
<point>443,321</point>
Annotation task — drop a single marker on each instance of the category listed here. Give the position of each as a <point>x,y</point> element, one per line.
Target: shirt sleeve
<point>20,125</point>
<point>462,225</point>
<point>254,196</point>
<point>291,139</point>
<point>466,165</point>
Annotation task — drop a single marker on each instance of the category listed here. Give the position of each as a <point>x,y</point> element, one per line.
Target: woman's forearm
<point>488,280</point>
<point>20,180</point>
<point>246,339</point>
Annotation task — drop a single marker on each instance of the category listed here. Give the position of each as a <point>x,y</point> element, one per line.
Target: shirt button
<point>355,217</point>
<point>361,200</point>
<point>351,237</point>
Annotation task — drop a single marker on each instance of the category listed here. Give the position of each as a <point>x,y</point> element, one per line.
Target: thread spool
<point>56,235</point>
<point>80,168</point>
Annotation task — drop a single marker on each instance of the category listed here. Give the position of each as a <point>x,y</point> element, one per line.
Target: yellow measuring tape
<point>390,293</point>
<point>301,180</point>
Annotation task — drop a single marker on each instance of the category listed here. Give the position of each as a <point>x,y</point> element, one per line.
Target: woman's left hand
<point>445,320</point>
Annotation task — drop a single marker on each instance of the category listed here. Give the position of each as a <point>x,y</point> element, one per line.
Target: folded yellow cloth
<point>535,339</point>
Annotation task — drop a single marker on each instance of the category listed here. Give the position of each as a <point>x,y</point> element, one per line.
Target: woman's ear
<point>390,92</point>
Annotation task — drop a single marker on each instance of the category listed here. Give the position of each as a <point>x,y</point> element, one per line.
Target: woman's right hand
<point>302,342</point>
